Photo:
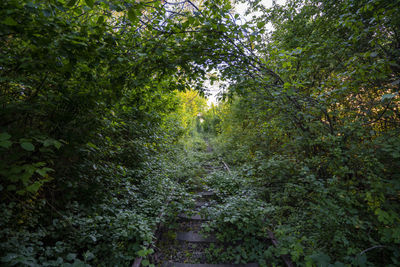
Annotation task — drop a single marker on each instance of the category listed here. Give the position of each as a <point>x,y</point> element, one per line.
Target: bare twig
<point>226,166</point>
<point>371,248</point>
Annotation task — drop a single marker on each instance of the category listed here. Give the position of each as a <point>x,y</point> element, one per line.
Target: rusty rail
<point>285,257</point>
<point>138,260</point>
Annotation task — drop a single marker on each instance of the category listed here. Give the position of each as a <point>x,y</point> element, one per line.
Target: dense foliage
<point>89,114</point>
<point>321,144</point>
<point>93,108</point>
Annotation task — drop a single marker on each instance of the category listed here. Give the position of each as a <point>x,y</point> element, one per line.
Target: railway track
<point>186,245</point>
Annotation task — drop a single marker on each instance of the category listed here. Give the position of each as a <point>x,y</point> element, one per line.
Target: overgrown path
<point>190,240</point>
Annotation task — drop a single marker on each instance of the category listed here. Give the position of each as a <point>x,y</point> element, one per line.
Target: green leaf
<point>92,145</point>
<point>48,142</point>
<point>321,259</point>
<point>4,136</point>
<point>90,3</point>
<point>260,24</point>
<point>94,239</point>
<point>142,253</point>
<point>88,256</point>
<point>71,256</point>
<point>5,143</point>
<point>21,192</point>
<point>132,14</point>
<point>44,171</point>
<point>79,263</point>
<point>57,144</point>
<point>360,260</point>
<point>28,146</point>
<point>71,3</point>
<point>100,20</point>
<point>9,21</point>
<point>145,262</point>
<point>33,188</point>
